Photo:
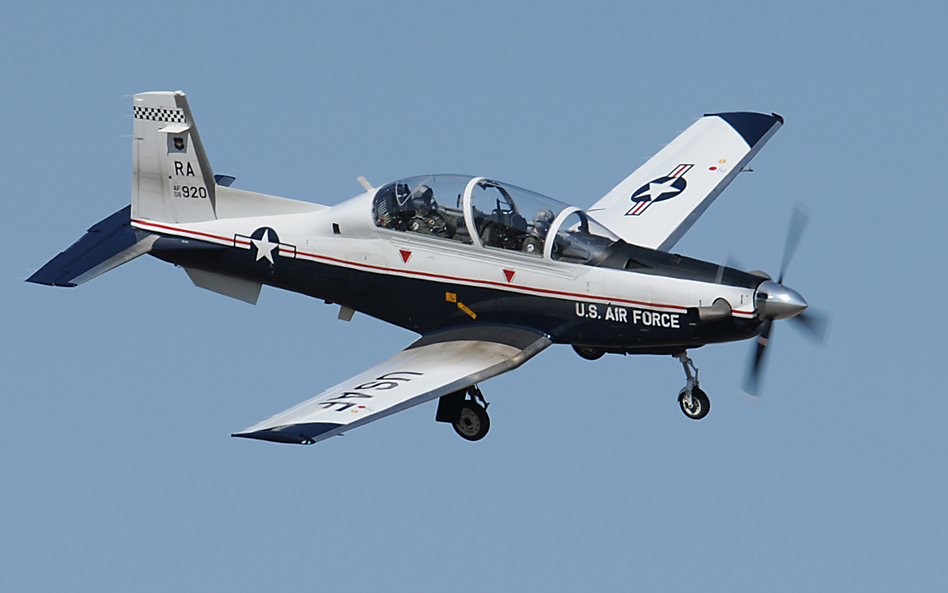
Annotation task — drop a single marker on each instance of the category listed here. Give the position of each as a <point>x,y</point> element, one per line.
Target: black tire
<point>589,353</point>
<point>700,404</point>
<point>473,422</point>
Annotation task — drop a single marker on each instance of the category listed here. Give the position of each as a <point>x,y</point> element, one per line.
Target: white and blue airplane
<point>487,273</point>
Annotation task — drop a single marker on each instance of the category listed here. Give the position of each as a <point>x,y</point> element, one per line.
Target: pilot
<point>533,242</point>
<point>429,219</point>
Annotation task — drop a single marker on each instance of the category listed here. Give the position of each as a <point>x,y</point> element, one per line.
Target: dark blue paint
<point>224,180</point>
<point>751,126</point>
<point>295,434</point>
<point>420,305</point>
<point>104,240</point>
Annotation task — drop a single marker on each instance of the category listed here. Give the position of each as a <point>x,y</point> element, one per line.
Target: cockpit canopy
<point>490,214</point>
<point>431,205</point>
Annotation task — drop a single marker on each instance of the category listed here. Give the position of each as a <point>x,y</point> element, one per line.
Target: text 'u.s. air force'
<point>630,316</point>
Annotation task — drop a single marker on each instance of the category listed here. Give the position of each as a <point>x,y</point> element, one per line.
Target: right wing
<point>433,366</point>
<point>657,204</point>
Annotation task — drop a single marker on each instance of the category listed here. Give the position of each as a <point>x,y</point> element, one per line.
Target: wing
<point>657,204</point>
<point>433,366</point>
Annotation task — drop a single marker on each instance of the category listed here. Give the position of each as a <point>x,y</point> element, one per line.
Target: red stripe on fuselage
<point>402,272</point>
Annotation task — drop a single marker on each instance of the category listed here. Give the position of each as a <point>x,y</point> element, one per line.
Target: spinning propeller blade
<point>797,225</point>
<point>815,325</point>
<point>752,381</point>
<point>726,262</point>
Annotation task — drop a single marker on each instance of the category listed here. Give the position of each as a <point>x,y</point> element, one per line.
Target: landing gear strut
<point>468,416</point>
<point>694,402</point>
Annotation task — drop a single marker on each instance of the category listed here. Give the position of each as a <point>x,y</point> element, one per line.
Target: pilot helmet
<point>423,198</point>
<point>542,220</point>
<point>402,194</point>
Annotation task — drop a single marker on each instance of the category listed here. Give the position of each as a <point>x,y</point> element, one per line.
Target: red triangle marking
<point>509,274</point>
<point>405,255</point>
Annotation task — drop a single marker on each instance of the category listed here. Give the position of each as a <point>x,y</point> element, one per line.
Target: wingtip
<point>274,437</point>
<point>751,126</point>
<point>293,434</point>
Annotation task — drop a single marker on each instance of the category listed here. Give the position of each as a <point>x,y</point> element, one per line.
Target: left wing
<point>433,366</point>
<point>657,204</point>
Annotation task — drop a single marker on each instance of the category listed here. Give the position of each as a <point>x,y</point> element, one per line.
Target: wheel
<point>473,422</point>
<point>700,404</point>
<point>589,353</point>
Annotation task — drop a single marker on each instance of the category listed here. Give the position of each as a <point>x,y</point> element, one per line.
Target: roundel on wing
<point>659,190</point>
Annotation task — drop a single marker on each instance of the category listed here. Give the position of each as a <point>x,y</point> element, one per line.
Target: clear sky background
<point>117,398</point>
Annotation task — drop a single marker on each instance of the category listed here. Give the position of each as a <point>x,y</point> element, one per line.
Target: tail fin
<point>172,180</point>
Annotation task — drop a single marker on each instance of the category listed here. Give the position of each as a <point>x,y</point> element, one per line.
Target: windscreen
<point>579,239</point>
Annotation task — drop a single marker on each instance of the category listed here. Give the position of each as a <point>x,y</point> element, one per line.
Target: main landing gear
<point>694,402</point>
<point>468,416</point>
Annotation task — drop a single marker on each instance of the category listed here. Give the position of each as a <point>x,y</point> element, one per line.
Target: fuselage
<point>622,298</point>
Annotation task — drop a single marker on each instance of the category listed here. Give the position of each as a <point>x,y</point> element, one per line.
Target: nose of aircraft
<point>776,301</point>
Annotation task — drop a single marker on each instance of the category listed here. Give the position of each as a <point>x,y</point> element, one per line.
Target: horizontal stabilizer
<point>225,180</point>
<point>106,245</point>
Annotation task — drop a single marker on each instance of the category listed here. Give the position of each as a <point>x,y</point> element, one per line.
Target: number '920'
<point>189,191</point>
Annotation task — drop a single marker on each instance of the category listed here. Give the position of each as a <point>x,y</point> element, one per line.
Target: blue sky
<point>116,468</point>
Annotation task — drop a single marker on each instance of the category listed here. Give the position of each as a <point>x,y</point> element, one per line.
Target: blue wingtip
<point>294,434</point>
<point>751,126</point>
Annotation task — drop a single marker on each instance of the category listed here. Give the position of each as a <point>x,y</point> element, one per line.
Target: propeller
<point>776,301</point>
<point>814,325</point>
<point>752,381</point>
<point>797,225</point>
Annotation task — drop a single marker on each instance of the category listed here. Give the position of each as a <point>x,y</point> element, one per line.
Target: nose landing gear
<point>693,401</point>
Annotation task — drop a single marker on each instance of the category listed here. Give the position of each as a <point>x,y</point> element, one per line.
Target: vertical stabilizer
<point>172,180</point>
